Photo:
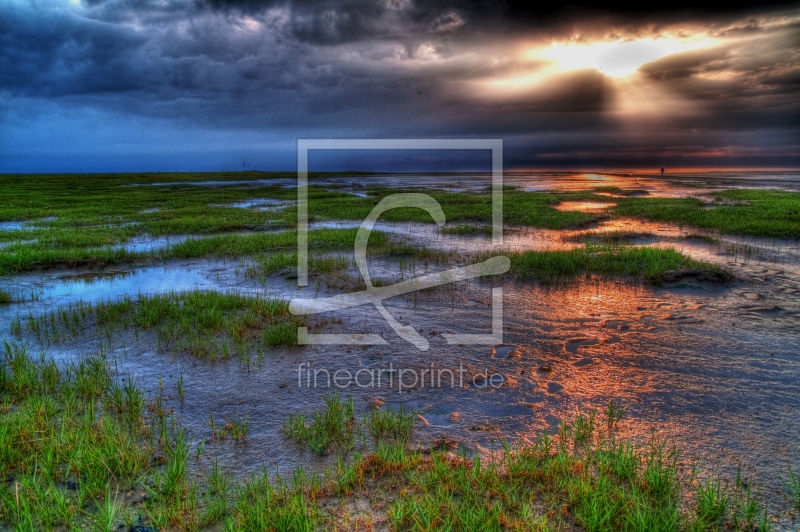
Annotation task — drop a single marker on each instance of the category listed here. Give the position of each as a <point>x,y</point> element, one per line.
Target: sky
<point>203,85</point>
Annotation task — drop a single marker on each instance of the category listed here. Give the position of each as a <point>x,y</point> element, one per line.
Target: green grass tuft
<point>336,425</point>
<point>72,440</point>
<point>391,424</point>
<point>204,323</point>
<point>792,485</point>
<point>644,262</point>
<point>64,439</point>
<point>467,230</point>
<point>767,213</point>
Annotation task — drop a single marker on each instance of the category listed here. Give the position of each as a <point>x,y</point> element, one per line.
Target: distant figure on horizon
<point>662,171</point>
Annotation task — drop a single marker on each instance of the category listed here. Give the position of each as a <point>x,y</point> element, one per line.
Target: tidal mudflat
<point>649,375</point>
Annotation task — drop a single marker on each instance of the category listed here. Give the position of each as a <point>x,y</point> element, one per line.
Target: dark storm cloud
<point>56,52</point>
<point>405,68</point>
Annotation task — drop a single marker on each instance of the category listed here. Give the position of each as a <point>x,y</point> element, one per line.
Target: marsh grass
<point>245,245</point>
<point>607,237</point>
<point>286,263</point>
<point>421,255</point>
<point>74,444</point>
<point>651,264</point>
<point>535,209</point>
<point>5,297</point>
<point>203,323</point>
<point>119,206</point>
<point>467,229</point>
<point>767,213</point>
<point>395,424</point>
<point>26,257</point>
<point>339,273</point>
<point>264,503</point>
<point>335,425</point>
<point>615,411</point>
<point>792,486</point>
<point>585,476</point>
<point>82,220</point>
<point>107,513</point>
<point>75,219</point>
<point>648,263</point>
<point>236,428</point>
<point>78,220</point>
<point>65,439</point>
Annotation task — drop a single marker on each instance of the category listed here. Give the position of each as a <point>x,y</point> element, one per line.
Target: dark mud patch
<point>703,275</point>
<point>760,308</point>
<point>682,318</point>
<point>505,351</point>
<point>572,345</point>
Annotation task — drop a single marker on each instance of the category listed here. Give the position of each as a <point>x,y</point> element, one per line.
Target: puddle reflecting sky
<point>584,206</point>
<point>261,204</point>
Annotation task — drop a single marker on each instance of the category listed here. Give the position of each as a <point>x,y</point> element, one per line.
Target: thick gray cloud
<point>277,70</point>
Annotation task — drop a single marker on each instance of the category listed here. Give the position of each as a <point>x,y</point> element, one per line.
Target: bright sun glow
<point>617,59</point>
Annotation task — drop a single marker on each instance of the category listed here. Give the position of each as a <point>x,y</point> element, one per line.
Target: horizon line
<point>508,171</point>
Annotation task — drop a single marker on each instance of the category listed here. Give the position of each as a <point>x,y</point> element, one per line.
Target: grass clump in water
<point>5,297</point>
<point>286,263</point>
<point>204,323</point>
<point>609,237</point>
<point>66,436</point>
<point>386,423</point>
<point>792,485</point>
<point>252,244</point>
<point>467,230</point>
<point>335,425</point>
<point>652,264</point>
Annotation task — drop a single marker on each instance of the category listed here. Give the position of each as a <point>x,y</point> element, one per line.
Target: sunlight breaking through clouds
<point>549,83</point>
<point>617,59</point>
